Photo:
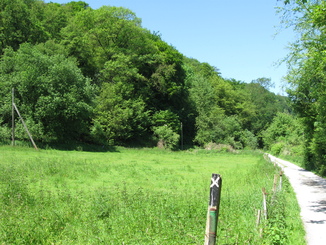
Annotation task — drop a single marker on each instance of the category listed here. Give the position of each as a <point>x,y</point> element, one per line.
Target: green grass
<point>137,196</point>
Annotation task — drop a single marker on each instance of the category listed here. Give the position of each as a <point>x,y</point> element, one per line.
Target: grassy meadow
<point>139,196</point>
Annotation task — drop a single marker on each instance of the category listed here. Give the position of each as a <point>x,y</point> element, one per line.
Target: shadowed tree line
<point>97,76</point>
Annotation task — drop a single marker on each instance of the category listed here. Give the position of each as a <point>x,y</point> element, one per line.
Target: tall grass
<point>137,196</point>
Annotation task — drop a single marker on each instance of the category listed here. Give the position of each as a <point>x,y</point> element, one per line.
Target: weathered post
<point>181,136</point>
<point>213,209</point>
<point>275,182</point>
<point>13,117</point>
<point>264,202</point>
<point>280,184</point>
<point>29,134</point>
<point>258,217</point>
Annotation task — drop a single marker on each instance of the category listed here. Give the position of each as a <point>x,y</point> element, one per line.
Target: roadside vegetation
<point>139,196</point>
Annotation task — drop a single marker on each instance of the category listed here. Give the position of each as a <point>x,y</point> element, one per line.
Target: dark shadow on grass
<point>74,146</point>
<point>82,147</point>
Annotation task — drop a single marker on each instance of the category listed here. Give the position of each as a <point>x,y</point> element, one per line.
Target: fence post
<point>275,183</point>
<point>12,117</point>
<point>213,209</point>
<point>280,184</point>
<point>258,217</point>
<point>264,202</point>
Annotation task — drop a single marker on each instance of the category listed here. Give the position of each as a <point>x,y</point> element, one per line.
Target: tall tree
<point>116,52</point>
<point>266,104</point>
<point>51,91</point>
<point>307,76</point>
<point>19,23</point>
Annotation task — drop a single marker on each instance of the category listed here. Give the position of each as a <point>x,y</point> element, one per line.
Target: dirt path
<point>310,190</point>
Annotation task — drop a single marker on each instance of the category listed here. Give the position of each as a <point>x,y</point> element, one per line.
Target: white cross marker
<point>215,182</point>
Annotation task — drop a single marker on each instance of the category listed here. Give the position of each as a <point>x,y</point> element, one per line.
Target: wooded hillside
<point>98,76</point>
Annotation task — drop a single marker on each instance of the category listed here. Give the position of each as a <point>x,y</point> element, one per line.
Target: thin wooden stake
<point>258,217</point>
<point>29,134</point>
<point>280,184</point>
<point>181,136</point>
<point>213,209</point>
<point>13,117</point>
<point>266,157</point>
<point>275,182</point>
<point>264,202</point>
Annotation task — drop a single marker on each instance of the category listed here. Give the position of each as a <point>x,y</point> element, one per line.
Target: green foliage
<point>19,23</point>
<point>5,133</point>
<point>54,17</point>
<point>99,73</point>
<point>249,140</point>
<point>95,36</point>
<point>230,112</point>
<point>284,135</point>
<point>209,96</point>
<point>218,128</point>
<point>119,118</point>
<point>278,228</point>
<point>307,64</point>
<point>266,104</point>
<point>277,148</point>
<point>168,118</point>
<point>167,138</point>
<point>50,92</point>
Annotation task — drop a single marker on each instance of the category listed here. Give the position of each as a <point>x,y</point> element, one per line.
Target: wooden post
<point>275,182</point>
<point>280,184</point>
<point>13,117</point>
<point>29,134</point>
<point>258,217</point>
<point>213,209</point>
<point>181,136</point>
<point>266,157</point>
<point>264,202</point>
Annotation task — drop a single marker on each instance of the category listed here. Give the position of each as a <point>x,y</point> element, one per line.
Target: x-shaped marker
<point>215,182</point>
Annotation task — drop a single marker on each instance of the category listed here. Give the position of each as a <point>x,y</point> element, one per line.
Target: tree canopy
<point>306,77</point>
<point>96,75</point>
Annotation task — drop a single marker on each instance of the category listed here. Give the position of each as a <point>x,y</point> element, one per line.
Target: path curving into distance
<point>310,190</point>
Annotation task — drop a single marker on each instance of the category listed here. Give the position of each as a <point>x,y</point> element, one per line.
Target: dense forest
<point>97,76</point>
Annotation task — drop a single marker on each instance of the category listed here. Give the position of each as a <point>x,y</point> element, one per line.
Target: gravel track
<point>310,190</point>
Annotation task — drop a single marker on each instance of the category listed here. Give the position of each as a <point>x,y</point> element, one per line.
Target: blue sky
<point>238,37</point>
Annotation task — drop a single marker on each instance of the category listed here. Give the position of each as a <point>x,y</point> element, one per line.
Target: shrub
<point>249,139</point>
<point>5,133</point>
<point>277,148</point>
<point>167,138</point>
<point>219,147</point>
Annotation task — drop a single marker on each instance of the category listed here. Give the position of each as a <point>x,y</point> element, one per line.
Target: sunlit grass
<point>131,196</point>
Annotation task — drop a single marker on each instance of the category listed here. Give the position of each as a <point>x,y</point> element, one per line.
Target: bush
<point>5,134</point>
<point>284,128</point>
<point>219,147</point>
<point>52,94</point>
<point>249,139</point>
<point>166,137</point>
<point>277,148</point>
